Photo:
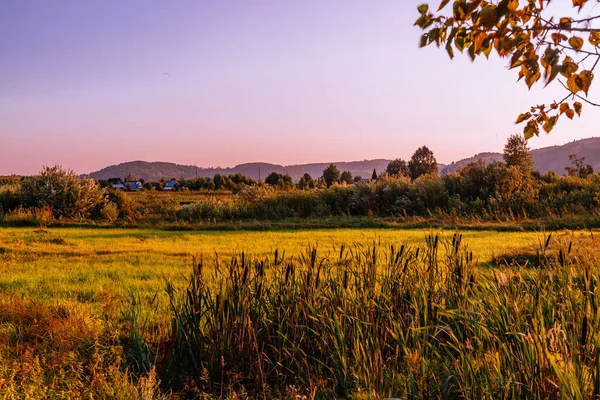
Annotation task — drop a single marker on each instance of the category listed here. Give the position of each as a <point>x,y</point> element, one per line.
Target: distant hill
<point>554,158</point>
<point>154,171</point>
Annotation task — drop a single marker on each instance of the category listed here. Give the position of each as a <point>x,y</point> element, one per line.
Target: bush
<point>9,198</point>
<point>64,192</point>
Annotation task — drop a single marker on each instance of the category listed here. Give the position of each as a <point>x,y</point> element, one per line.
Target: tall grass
<point>373,321</point>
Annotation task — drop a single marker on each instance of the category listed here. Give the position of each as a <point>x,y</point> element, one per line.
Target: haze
<point>86,84</point>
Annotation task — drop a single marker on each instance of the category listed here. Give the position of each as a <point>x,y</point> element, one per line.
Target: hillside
<point>154,171</point>
<point>554,158</point>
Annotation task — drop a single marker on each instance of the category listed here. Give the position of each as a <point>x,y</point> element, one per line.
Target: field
<point>82,264</point>
<point>81,307</point>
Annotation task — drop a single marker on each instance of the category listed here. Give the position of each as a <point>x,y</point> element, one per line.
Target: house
<point>134,185</point>
<point>171,185</point>
<point>116,183</point>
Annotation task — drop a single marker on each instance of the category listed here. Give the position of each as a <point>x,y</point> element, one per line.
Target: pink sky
<point>86,84</point>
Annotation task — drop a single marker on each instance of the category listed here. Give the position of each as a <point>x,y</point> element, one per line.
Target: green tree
<point>346,177</point>
<point>331,174</point>
<point>579,168</point>
<point>63,191</point>
<point>306,182</point>
<point>374,175</point>
<point>422,162</point>
<point>302,184</point>
<point>148,186</point>
<point>516,153</point>
<point>273,178</point>
<point>538,44</point>
<point>398,167</point>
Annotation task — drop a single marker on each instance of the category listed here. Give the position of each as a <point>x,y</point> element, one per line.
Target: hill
<point>154,171</point>
<point>554,158</point>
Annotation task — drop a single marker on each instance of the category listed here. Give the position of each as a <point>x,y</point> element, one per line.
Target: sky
<point>87,84</point>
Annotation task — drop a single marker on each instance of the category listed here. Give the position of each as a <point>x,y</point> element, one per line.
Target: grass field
<point>75,300</point>
<point>81,264</point>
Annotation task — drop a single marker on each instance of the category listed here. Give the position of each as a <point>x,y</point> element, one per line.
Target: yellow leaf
<point>556,38</point>
<point>512,5</point>
<point>577,106</point>
<point>443,4</point>
<point>565,23</point>
<point>586,80</point>
<point>595,38</point>
<point>570,113</point>
<point>569,67</point>
<point>531,129</point>
<point>576,42</point>
<point>575,83</point>
<point>579,3</point>
<point>549,125</point>
<point>488,16</point>
<point>564,107</point>
<point>523,117</point>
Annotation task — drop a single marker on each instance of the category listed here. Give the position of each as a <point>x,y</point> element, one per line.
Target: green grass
<point>79,299</point>
<point>85,263</point>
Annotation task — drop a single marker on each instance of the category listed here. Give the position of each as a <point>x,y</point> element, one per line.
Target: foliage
<point>331,175</point>
<point>398,167</point>
<point>73,332</point>
<point>537,43</point>
<point>579,167</point>
<point>346,177</point>
<point>380,322</point>
<point>66,194</point>
<point>517,154</point>
<point>279,180</point>
<point>374,175</point>
<point>422,162</point>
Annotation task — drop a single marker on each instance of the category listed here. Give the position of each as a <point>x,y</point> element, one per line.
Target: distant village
<point>237,181</point>
<point>134,185</point>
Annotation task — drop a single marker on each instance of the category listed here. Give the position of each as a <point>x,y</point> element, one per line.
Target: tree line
<point>508,189</point>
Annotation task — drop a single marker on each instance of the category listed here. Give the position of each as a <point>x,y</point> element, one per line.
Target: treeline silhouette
<point>500,191</point>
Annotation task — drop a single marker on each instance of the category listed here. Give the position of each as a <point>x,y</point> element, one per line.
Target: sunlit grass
<point>111,284</point>
<point>66,262</point>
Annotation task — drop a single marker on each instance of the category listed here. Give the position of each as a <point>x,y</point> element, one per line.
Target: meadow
<point>83,263</point>
<point>337,313</point>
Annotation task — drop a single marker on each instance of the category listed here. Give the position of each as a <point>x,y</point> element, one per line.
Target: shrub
<point>63,191</point>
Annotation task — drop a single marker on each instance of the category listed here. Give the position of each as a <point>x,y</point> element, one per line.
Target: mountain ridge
<point>554,158</point>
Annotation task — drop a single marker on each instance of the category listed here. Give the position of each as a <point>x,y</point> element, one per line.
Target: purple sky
<point>86,84</point>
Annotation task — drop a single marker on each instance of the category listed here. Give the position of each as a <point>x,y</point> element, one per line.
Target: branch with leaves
<point>541,47</point>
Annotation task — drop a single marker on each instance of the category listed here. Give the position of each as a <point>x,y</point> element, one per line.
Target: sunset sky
<point>86,84</point>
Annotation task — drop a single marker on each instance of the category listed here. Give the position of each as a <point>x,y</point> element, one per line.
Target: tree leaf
<point>575,83</point>
<point>586,80</point>
<point>523,117</point>
<point>423,8</point>
<point>564,107</point>
<point>531,129</point>
<point>577,106</point>
<point>579,3</point>
<point>443,4</point>
<point>570,113</point>
<point>595,38</point>
<point>576,42</point>
<point>549,125</point>
<point>512,5</point>
<point>565,23</point>
<point>450,50</point>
